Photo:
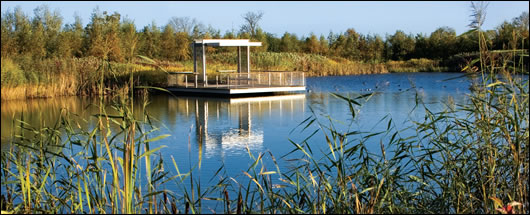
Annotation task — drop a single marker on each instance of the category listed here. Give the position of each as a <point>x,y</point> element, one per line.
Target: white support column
<point>239,59</point>
<point>204,67</point>
<point>195,62</point>
<point>248,61</point>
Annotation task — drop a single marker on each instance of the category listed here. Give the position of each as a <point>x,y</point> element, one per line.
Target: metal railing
<point>238,80</point>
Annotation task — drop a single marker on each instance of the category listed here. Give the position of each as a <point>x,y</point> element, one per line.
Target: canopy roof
<point>226,42</point>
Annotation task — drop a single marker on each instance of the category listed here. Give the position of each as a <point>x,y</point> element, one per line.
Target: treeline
<point>110,36</point>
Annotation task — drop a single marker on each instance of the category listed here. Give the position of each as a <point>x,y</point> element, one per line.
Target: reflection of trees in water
<point>39,113</point>
<point>237,122</point>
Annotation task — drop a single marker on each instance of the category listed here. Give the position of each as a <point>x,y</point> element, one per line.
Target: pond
<point>227,130</point>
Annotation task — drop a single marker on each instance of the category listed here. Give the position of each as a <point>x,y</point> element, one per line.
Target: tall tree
<point>521,25</point>
<point>184,24</point>
<point>261,37</point>
<point>168,43</point>
<point>22,31</point>
<point>401,46</point>
<point>311,44</point>
<point>183,46</point>
<point>150,40</point>
<point>351,46</point>
<point>51,23</point>
<point>37,44</point>
<point>273,42</point>
<point>324,45</point>
<point>289,43</point>
<point>129,39</point>
<point>442,43</point>
<point>251,24</point>
<point>103,36</point>
<point>9,47</point>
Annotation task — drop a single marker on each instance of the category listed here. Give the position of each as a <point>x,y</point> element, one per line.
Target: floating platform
<point>230,81</point>
<point>237,91</point>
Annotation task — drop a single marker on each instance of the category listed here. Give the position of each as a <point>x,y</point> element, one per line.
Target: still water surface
<point>223,128</point>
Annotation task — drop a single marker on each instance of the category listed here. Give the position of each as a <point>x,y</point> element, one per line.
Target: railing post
<point>291,79</point>
<point>303,79</point>
<point>196,84</point>
<point>269,79</point>
<point>186,80</point>
<point>281,79</point>
<point>217,81</point>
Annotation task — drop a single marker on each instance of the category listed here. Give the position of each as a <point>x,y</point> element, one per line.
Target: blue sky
<point>298,17</point>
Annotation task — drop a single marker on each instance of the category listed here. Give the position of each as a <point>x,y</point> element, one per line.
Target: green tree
<point>51,22</point>
<point>311,44</point>
<point>351,47</point>
<point>183,46</point>
<point>513,34</point>
<point>324,45</point>
<point>273,42</point>
<point>337,48</point>
<point>102,36</point>
<point>422,47</point>
<point>289,43</point>
<point>149,41</point>
<point>261,37</point>
<point>467,43</point>
<point>375,49</point>
<point>8,34</point>
<point>401,46</point>
<point>37,43</point>
<point>22,31</point>
<point>71,39</point>
<point>129,39</point>
<point>442,43</point>
<point>168,43</point>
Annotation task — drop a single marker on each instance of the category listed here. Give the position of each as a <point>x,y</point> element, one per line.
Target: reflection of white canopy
<point>236,140</point>
<point>226,42</point>
<point>233,142</point>
<point>294,97</point>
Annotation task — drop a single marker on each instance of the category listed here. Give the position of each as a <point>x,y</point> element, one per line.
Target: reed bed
<point>25,77</point>
<point>416,65</point>
<point>312,64</point>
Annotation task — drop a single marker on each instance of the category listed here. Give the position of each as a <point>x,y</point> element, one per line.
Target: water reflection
<point>40,113</point>
<point>226,126</point>
<point>222,128</point>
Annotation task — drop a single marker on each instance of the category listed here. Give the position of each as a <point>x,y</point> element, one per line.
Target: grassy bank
<point>31,78</point>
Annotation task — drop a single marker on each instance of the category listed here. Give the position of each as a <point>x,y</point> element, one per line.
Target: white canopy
<point>226,42</point>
